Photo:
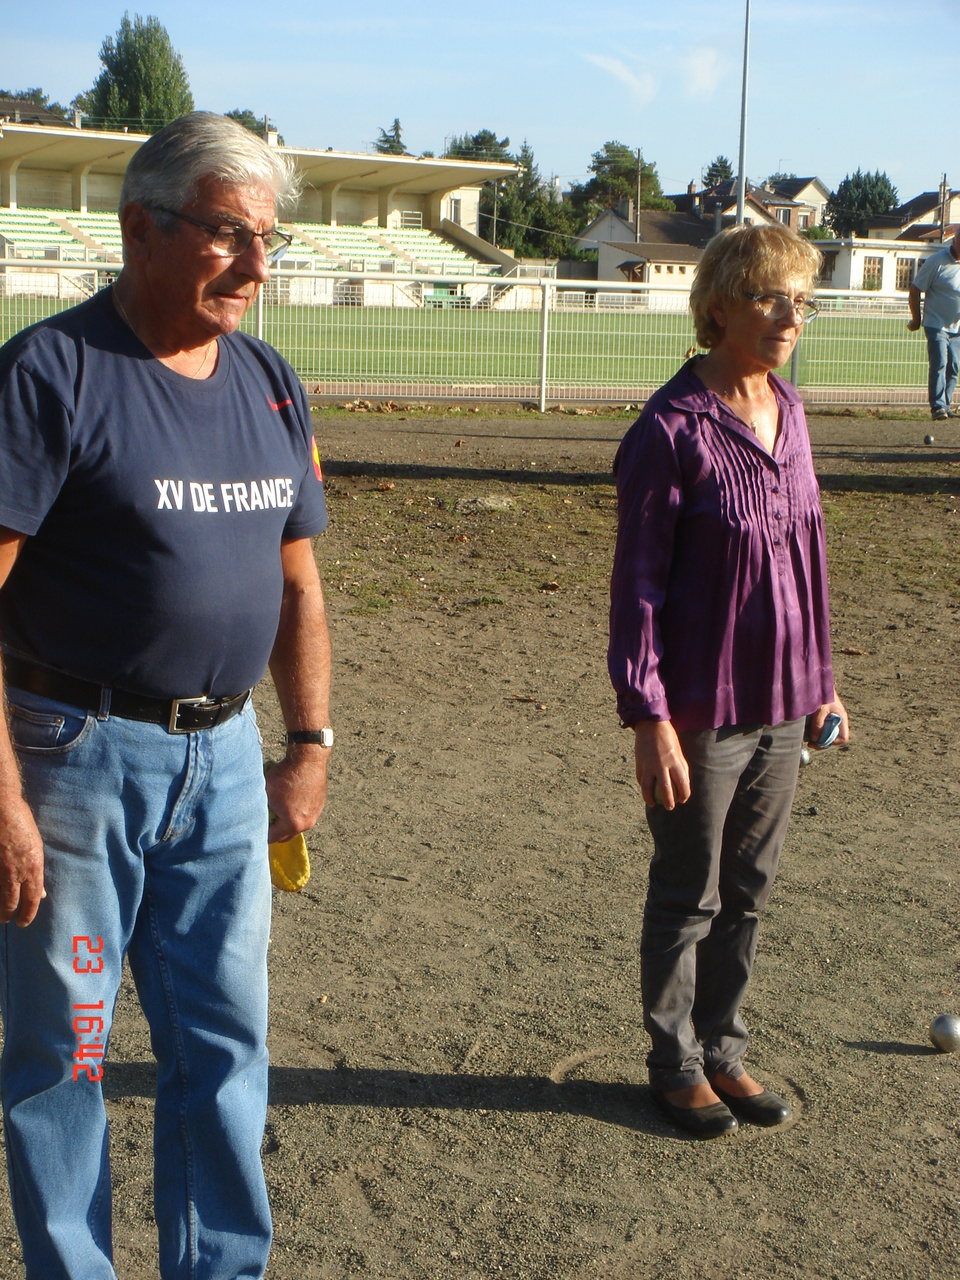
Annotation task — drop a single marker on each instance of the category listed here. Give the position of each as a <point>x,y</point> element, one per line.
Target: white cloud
<point>643,86</point>
<point>703,69</point>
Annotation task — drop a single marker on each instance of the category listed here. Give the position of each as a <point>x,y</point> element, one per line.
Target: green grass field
<point>373,344</point>
<point>382,348</point>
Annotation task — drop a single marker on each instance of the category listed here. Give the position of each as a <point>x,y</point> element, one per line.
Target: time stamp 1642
<point>88,1018</point>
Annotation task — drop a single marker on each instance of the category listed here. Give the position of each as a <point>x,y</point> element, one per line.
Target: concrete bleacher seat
<point>433,253</point>
<point>36,233</point>
<point>103,229</point>
<point>352,248</point>
<point>372,248</point>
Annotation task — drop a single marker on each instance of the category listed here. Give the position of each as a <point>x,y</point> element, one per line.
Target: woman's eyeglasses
<point>776,306</point>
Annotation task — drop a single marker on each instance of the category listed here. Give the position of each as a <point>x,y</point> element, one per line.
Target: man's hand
<point>662,770</point>
<point>913,325</point>
<point>297,790</point>
<point>21,863</point>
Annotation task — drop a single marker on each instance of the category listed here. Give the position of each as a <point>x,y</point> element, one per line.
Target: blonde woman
<point>719,650</point>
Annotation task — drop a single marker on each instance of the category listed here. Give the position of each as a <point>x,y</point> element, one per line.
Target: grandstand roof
<point>34,146</point>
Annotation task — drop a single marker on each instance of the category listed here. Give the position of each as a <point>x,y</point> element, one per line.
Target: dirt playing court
<point>458,1089</point>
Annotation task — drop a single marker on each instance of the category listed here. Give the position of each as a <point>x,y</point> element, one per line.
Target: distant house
<point>805,191</point>
<point>917,219</point>
<point>667,252</point>
<point>612,224</point>
<point>718,204</point>
<point>876,266</point>
<point>22,111</point>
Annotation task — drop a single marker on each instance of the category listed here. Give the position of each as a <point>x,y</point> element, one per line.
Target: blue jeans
<point>155,847</point>
<point>712,871</point>
<point>943,351</point>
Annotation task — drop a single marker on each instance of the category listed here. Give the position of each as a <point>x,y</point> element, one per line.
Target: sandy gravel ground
<point>457,1080</point>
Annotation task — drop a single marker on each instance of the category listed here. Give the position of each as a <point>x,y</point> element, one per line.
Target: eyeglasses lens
<point>232,241</point>
<point>776,306</point>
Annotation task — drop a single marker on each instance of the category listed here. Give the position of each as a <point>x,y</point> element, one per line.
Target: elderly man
<point>159,489</point>
<point>939,282</point>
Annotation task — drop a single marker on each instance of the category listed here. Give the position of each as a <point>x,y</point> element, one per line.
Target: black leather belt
<point>177,715</point>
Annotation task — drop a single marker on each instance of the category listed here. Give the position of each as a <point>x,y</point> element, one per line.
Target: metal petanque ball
<point>928,439</point>
<point>945,1032</point>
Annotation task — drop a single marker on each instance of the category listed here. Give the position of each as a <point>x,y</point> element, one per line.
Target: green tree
<point>528,181</point>
<point>532,220</point>
<point>143,83</point>
<point>39,99</point>
<point>390,142</point>
<point>500,208</point>
<point>614,169</point>
<point>720,170</point>
<point>250,120</point>
<point>483,145</point>
<point>552,226</point>
<point>858,198</point>
<point>775,179</point>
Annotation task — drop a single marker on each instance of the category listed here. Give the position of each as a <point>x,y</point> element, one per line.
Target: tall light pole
<point>741,176</point>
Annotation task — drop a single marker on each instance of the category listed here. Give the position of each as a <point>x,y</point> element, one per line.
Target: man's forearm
<point>913,301</point>
<point>300,666</point>
<point>300,662</point>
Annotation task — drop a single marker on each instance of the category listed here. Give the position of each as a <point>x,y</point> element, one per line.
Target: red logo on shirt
<point>282,405</point>
<point>316,462</point>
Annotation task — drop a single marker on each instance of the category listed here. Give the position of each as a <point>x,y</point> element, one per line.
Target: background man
<point>939,282</point>
<point>159,487</point>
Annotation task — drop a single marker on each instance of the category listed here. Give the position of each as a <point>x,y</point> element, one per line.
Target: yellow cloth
<point>290,864</point>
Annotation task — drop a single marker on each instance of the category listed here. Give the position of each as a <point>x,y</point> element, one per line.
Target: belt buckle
<point>177,703</point>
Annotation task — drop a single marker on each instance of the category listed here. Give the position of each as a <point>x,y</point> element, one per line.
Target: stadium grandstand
<point>59,187</point>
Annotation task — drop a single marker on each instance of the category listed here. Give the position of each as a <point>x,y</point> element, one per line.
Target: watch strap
<point>315,737</point>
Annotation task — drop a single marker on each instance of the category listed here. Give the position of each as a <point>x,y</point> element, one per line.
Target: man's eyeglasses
<point>230,239</point>
<point>775,306</point>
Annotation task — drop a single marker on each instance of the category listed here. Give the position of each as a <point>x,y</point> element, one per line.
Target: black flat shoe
<point>703,1122</point>
<point>763,1108</point>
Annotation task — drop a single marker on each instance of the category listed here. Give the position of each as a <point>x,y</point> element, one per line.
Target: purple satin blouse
<point>718,611</point>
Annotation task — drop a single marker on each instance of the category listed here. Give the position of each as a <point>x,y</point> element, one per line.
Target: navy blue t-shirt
<point>155,505</point>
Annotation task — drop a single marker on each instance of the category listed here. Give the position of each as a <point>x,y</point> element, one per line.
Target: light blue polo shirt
<point>939,282</point>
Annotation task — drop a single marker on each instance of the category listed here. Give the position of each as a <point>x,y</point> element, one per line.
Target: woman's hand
<point>836,708</point>
<point>662,771</point>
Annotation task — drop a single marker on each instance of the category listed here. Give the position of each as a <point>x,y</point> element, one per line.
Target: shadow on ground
<point>628,1105</point>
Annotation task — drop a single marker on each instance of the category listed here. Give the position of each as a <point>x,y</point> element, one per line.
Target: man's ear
<point>136,225</point>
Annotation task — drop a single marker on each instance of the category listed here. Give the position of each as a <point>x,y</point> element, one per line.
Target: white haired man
<point>159,490</point>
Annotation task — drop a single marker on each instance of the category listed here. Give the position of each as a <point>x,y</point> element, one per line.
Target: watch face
<point>326,737</point>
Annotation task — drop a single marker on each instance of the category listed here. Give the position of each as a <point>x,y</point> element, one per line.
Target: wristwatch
<point>315,737</point>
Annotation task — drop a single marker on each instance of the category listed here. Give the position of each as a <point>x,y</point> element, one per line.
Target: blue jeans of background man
<point>155,846</point>
<point>943,351</point>
<point>713,866</point>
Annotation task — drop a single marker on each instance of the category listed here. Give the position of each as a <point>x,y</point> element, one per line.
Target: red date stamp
<point>88,1018</point>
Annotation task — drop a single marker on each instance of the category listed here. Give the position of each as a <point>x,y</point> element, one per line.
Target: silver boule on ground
<point>945,1032</point>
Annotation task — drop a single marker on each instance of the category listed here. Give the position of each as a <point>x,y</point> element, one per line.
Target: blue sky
<point>833,85</point>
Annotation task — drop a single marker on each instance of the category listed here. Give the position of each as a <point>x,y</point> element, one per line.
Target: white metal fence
<point>377,335</point>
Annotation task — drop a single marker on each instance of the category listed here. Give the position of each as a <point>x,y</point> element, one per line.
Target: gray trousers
<point>713,866</point>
